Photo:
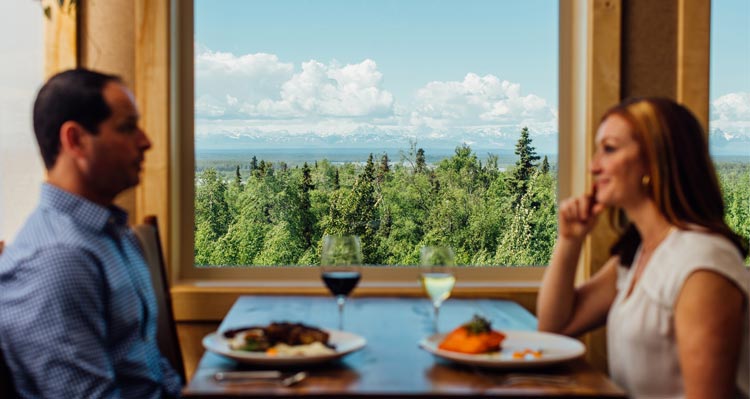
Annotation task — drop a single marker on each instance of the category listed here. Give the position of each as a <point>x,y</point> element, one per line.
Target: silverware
<point>293,379</point>
<point>246,375</point>
<point>515,379</point>
<point>264,376</point>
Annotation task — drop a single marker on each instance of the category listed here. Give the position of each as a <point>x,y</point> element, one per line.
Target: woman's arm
<point>708,323</point>
<point>561,307</point>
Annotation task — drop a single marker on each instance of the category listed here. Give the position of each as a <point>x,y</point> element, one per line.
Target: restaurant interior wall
<point>21,74</point>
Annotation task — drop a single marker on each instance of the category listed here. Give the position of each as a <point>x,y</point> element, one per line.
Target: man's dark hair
<point>73,95</point>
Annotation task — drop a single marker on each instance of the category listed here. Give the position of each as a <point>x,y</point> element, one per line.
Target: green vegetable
<point>478,325</point>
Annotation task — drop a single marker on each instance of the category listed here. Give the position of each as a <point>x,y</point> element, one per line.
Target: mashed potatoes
<point>313,349</point>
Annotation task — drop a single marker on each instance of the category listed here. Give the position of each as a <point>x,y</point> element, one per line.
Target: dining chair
<point>6,380</point>
<point>169,345</point>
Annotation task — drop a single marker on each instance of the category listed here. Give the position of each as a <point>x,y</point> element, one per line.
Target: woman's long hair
<point>683,180</point>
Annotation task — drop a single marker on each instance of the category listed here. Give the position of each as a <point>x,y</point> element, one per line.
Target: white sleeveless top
<point>641,343</point>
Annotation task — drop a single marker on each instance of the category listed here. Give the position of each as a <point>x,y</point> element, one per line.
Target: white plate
<point>343,341</point>
<point>555,349</point>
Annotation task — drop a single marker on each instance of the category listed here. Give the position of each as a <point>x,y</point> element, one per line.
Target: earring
<point>645,180</point>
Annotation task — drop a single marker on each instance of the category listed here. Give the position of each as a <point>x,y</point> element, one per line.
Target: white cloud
<point>261,86</point>
<point>329,90</point>
<point>480,100</point>
<point>261,96</point>
<point>224,81</point>
<point>731,107</point>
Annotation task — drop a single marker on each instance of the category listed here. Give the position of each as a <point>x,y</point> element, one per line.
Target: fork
<point>259,376</point>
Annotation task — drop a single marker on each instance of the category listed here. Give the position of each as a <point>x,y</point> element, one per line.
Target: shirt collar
<point>85,212</point>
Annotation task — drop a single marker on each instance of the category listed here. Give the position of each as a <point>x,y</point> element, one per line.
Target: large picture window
<point>729,124</point>
<point>407,123</point>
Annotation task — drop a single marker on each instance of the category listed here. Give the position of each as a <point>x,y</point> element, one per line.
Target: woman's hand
<point>577,216</point>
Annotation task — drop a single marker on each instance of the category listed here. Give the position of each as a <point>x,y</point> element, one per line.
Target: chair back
<point>167,340</point>
<point>6,380</point>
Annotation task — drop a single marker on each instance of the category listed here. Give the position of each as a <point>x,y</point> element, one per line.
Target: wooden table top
<point>392,365</point>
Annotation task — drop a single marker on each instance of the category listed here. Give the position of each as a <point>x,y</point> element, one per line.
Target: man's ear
<point>73,139</point>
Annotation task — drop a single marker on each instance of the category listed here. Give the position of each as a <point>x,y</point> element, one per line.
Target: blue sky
<point>413,41</point>
<point>730,47</point>
<point>377,73</point>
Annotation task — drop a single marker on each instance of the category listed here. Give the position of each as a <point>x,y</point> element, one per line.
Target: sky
<point>730,73</point>
<point>355,73</point>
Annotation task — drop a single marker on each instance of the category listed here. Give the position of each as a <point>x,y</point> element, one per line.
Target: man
<point>77,309</point>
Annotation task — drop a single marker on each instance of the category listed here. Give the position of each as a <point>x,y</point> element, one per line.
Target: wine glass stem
<point>341,300</point>
<point>437,313</point>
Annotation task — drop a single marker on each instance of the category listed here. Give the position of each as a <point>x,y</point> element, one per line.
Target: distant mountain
<point>722,143</point>
<point>480,139</point>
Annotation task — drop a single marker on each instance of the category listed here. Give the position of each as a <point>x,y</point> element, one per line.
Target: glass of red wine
<point>340,263</point>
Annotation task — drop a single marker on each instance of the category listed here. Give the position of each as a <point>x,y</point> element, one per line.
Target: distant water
<point>298,156</point>
<point>226,159</point>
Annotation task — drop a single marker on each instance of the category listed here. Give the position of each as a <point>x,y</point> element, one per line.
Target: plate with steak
<point>283,344</point>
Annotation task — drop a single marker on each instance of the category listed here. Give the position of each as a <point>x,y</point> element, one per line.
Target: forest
<point>276,214</point>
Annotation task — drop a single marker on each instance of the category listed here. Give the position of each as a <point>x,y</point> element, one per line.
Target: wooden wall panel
<point>649,59</point>
<point>107,44</point>
<point>190,336</point>
<point>152,94</point>
<point>604,85</point>
<point>60,36</point>
<point>693,61</point>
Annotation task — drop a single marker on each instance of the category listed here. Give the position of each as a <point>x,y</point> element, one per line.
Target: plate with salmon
<point>476,343</point>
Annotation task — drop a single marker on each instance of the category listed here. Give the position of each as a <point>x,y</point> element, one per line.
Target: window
<point>729,115</point>
<point>403,122</point>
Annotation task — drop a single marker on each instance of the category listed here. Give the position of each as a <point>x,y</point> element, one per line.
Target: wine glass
<point>436,276</point>
<point>340,265</point>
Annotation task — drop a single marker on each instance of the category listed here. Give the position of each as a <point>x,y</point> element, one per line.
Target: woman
<point>674,292</point>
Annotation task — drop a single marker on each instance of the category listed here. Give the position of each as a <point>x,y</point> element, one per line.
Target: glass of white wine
<point>437,276</point>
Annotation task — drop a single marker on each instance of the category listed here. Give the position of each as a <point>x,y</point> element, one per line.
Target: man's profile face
<point>116,151</point>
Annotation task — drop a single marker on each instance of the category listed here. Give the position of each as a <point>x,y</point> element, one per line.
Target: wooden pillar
<point>106,32</point>
<point>60,36</point>
<point>152,91</point>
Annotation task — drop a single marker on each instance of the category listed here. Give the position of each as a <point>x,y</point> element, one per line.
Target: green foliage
<point>734,178</point>
<point>278,216</point>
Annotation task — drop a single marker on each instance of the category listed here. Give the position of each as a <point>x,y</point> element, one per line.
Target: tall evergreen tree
<point>336,183</point>
<point>237,177</point>
<point>421,166</point>
<point>545,165</point>
<point>307,220</point>
<point>525,166</point>
<point>384,168</point>
<point>366,220</point>
<point>253,163</point>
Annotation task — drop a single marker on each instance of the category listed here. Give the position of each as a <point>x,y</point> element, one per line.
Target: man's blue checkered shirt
<point>77,308</point>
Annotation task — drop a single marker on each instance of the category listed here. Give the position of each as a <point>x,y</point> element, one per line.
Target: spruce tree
<point>525,166</point>
<point>421,163</point>
<point>307,219</point>
<point>237,177</point>
<point>545,165</point>
<point>384,168</point>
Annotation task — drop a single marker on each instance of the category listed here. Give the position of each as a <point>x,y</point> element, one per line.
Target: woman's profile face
<point>618,166</point>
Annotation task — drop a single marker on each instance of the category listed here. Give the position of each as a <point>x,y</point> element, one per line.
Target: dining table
<point>391,363</point>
